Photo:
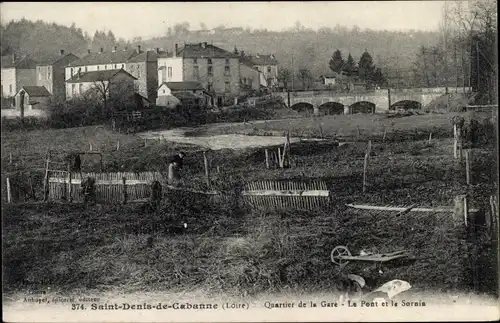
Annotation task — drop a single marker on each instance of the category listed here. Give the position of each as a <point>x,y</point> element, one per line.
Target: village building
<point>144,67</point>
<point>267,65</point>
<point>216,69</point>
<point>107,80</point>
<point>16,73</point>
<point>251,78</point>
<point>171,94</point>
<point>329,79</point>
<point>29,101</point>
<point>50,73</point>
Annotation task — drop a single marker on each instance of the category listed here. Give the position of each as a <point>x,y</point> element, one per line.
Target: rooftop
<point>97,76</point>
<point>36,91</point>
<point>10,61</point>
<point>51,60</point>
<point>204,50</point>
<point>184,86</point>
<point>113,57</point>
<point>147,56</point>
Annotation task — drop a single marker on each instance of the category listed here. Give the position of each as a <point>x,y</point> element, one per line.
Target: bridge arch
<point>303,107</point>
<point>331,107</point>
<point>362,107</point>
<point>406,105</point>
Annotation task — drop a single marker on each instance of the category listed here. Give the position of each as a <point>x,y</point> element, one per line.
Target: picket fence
<point>109,187</point>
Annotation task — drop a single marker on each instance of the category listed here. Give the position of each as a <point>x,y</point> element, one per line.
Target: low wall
<point>14,113</point>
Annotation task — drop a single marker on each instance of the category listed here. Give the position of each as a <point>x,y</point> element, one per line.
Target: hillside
<point>311,49</point>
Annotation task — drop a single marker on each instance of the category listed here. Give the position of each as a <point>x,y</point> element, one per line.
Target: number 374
<point>77,307</point>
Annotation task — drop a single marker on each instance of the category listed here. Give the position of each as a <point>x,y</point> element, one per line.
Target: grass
<point>234,249</point>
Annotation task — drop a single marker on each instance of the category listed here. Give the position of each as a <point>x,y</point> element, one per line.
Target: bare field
<point>234,249</point>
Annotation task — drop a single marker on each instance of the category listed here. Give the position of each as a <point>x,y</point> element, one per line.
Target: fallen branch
<point>402,209</point>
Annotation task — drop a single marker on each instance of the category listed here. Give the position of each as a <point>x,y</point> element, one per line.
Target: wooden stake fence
<point>267,158</point>
<point>467,167</point>
<point>9,193</point>
<point>207,173</point>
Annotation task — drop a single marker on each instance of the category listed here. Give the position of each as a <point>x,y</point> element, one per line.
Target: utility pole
<point>293,75</point>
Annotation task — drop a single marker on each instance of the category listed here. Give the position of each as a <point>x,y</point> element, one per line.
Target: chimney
<point>157,50</point>
<point>138,49</point>
<point>102,50</point>
<point>176,49</point>
<point>115,48</point>
<point>88,51</point>
<point>62,52</point>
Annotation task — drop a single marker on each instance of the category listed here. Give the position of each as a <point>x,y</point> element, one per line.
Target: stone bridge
<point>382,99</point>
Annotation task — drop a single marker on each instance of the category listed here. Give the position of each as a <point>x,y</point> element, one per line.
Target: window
<point>85,68</point>
<point>138,73</point>
<point>105,67</point>
<point>80,88</point>
<point>48,73</point>
<point>209,61</point>
<point>209,87</point>
<point>227,71</point>
<point>123,66</point>
<point>269,69</point>
<point>163,92</point>
<point>227,61</point>
<point>71,71</point>
<point>227,87</point>
<point>115,69</point>
<point>10,88</point>
<point>195,61</point>
<point>73,89</point>
<point>97,67</point>
<point>209,71</point>
<point>169,71</point>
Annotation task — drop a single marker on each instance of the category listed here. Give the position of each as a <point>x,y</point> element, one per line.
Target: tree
<point>235,51</point>
<point>366,67</point>
<point>337,62</point>
<point>378,78</point>
<point>305,78</point>
<point>349,66</point>
<point>284,77</point>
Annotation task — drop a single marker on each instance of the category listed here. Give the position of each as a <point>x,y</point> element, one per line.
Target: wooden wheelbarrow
<point>341,256</point>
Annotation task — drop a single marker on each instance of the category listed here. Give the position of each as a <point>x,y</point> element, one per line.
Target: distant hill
<point>311,49</point>
<point>41,40</point>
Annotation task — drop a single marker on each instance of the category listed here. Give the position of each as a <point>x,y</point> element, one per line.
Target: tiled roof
<point>147,56</point>
<point>204,50</point>
<point>36,91</point>
<point>97,76</point>
<point>51,60</point>
<point>185,96</point>
<point>114,57</point>
<point>20,63</point>
<point>263,60</point>
<point>184,86</point>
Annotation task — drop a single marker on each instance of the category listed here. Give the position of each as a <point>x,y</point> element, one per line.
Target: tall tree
<point>284,76</point>
<point>366,67</point>
<point>349,66</point>
<point>305,78</point>
<point>337,62</point>
<point>378,78</point>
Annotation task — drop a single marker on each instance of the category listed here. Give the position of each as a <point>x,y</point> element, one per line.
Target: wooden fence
<point>287,194</point>
<point>109,187</point>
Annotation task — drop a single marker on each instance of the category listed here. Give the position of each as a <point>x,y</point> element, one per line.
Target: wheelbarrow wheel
<point>337,253</point>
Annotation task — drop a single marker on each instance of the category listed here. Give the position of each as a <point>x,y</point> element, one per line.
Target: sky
<point>150,19</point>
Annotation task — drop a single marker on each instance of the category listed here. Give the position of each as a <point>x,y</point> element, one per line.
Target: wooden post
<point>430,138</point>
<point>455,141</point>
<point>9,194</point>
<point>279,157</point>
<point>321,131</point>
<point>32,190</point>
<point>385,134</point>
<point>359,133</point>
<point>10,157</point>
<point>367,156</point>
<point>467,167</point>
<point>218,170</point>
<point>70,197</point>
<point>113,124</point>
<point>124,183</point>
<point>145,142</point>
<point>267,158</point>
<point>90,146</point>
<point>466,211</point>
<point>46,179</point>
<point>458,212</point>
<point>205,162</point>
<point>118,145</point>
